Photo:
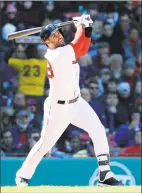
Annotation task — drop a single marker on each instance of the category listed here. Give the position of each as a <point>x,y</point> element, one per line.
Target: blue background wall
<point>71,171</point>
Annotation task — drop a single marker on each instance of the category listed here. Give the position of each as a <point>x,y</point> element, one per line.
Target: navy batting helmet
<point>48,31</point>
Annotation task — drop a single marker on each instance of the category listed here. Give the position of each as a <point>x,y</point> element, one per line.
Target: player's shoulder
<point>58,52</point>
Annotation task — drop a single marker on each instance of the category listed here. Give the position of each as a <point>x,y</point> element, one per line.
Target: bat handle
<point>64,23</point>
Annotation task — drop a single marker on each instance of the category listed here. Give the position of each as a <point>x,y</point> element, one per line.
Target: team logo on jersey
<point>124,175</point>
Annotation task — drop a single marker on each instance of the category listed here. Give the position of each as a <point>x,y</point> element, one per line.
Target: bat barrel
<point>22,33</point>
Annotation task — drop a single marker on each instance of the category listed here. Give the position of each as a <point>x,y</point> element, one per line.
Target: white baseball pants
<point>57,117</point>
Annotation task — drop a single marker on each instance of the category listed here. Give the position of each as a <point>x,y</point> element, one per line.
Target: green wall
<point>71,171</point>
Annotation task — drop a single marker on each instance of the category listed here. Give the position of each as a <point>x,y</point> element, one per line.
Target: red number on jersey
<point>50,73</point>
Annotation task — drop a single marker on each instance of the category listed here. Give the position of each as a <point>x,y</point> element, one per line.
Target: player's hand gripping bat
<point>31,31</point>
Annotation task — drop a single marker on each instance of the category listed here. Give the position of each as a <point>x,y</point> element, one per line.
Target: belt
<point>68,102</point>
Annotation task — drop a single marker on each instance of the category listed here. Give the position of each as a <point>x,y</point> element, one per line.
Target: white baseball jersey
<point>63,72</point>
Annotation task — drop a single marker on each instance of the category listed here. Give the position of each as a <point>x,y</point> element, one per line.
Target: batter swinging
<point>64,104</point>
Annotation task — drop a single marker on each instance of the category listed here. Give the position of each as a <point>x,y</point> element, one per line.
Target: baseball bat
<point>31,31</point>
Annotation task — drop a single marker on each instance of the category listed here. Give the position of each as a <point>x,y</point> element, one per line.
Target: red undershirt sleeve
<point>80,43</point>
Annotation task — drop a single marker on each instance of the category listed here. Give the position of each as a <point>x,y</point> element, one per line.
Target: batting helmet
<point>48,31</point>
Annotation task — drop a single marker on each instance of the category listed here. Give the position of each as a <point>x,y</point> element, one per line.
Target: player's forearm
<point>81,41</point>
<point>77,43</point>
<point>87,41</point>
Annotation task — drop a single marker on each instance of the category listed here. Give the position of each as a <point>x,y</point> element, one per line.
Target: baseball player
<point>64,104</point>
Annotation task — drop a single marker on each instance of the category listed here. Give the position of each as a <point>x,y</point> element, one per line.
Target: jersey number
<point>27,70</point>
<point>50,73</point>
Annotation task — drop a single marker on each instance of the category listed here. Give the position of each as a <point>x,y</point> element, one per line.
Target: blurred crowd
<point>110,76</point>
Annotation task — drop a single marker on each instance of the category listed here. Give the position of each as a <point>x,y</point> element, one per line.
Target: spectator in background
<point>35,12</point>
<point>125,134</point>
<point>94,103</point>
<point>93,10</point>
<point>22,128</point>
<point>102,59</point>
<point>132,45</point>
<point>85,60</point>
<point>50,11</point>
<point>97,29</point>
<point>124,25</point>
<point>32,140</point>
<point>19,52</point>
<point>33,106</point>
<point>111,16</point>
<point>93,87</point>
<point>76,148</point>
<point>115,113</point>
<point>134,150</point>
<point>83,74</point>
<point>72,146</point>
<point>6,29</point>
<point>46,21</point>
<point>105,76</point>
<point>92,75</point>
<point>129,8</point>
<point>6,46</point>
<point>6,118</point>
<point>110,36</point>
<point>27,4</point>
<point>41,50</point>
<point>32,72</point>
<point>86,143</point>
<point>116,64</point>
<point>129,72</point>
<point>10,13</point>
<point>125,99</point>
<point>6,95</point>
<point>104,56</point>
<point>19,101</point>
<point>21,26</point>
<point>112,86</point>
<point>86,149</point>
<point>7,145</point>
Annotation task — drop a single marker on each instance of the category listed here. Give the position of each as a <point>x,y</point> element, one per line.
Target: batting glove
<point>77,21</point>
<point>86,20</point>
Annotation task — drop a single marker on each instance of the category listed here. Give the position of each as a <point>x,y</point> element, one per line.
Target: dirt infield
<point>76,189</point>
